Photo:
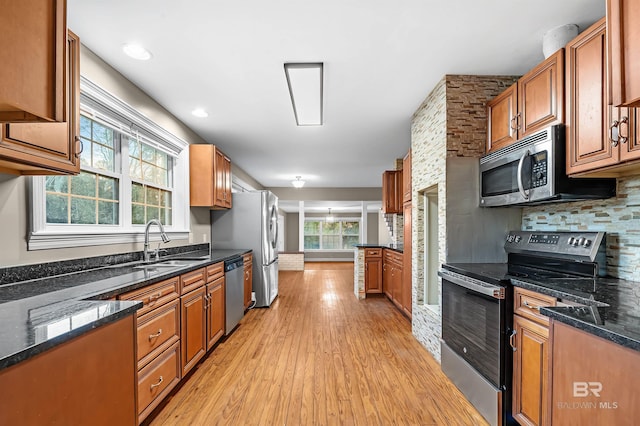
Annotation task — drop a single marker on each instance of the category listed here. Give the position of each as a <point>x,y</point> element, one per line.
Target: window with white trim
<point>131,171</point>
<point>321,234</point>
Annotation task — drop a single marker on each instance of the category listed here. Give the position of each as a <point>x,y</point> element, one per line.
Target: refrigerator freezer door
<point>270,273</point>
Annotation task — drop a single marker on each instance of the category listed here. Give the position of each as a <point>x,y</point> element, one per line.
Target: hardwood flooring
<point>319,356</point>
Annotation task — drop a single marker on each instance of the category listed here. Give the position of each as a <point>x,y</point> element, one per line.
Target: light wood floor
<point>318,356</point>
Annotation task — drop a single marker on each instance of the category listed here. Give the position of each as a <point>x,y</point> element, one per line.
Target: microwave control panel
<point>539,169</point>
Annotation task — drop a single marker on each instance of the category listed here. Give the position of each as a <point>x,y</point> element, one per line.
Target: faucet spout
<point>165,237</point>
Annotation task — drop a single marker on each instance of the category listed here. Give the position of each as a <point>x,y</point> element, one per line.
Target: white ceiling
<point>381,60</point>
<point>292,206</point>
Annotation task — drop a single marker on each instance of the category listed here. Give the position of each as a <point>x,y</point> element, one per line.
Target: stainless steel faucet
<point>165,238</point>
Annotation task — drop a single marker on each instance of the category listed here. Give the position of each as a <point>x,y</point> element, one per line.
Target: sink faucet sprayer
<point>165,238</point>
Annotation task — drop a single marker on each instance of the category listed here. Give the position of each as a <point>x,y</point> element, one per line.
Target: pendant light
<point>329,216</point>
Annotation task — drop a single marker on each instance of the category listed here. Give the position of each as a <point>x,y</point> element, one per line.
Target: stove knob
<point>510,238</point>
<point>580,241</point>
<point>518,238</point>
<point>586,243</point>
<point>571,241</point>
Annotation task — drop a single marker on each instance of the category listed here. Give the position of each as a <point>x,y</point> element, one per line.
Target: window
<point>131,171</point>
<point>320,234</point>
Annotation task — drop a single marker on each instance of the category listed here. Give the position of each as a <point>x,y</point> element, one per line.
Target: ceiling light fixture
<point>200,113</point>
<point>298,183</point>
<point>329,217</point>
<point>136,51</point>
<point>305,89</point>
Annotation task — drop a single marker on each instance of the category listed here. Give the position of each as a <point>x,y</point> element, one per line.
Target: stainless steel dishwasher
<point>234,293</point>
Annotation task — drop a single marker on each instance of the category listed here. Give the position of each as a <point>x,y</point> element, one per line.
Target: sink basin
<point>166,264</point>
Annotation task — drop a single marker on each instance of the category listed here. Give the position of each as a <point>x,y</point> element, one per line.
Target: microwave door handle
<point>523,192</point>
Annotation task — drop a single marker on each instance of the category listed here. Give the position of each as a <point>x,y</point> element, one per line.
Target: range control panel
<point>569,245</point>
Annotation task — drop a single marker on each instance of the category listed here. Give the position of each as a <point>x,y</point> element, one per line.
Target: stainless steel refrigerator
<point>252,223</point>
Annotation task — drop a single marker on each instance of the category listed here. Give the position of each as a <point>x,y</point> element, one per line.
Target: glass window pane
<point>331,242</point>
<point>137,214</point>
<point>153,213</point>
<point>85,156</point>
<point>153,196</point>
<point>148,172</point>
<point>311,228</point>
<point>134,168</point>
<point>103,157</point>
<point>137,193</point>
<point>148,154</point>
<point>311,243</point>
<point>350,228</point>
<point>85,127</point>
<point>83,210</point>
<point>350,241</point>
<point>84,184</point>
<point>134,148</point>
<point>107,213</point>
<point>57,184</point>
<point>162,177</point>
<point>107,188</point>
<point>167,198</point>
<point>165,216</point>
<point>102,134</point>
<point>57,209</point>
<point>161,159</point>
<point>331,228</point>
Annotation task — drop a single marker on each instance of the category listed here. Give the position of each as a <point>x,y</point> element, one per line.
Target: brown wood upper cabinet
<point>602,140</point>
<point>534,102</point>
<point>623,28</point>
<point>209,177</point>
<point>46,148</point>
<point>392,191</point>
<point>406,177</point>
<point>33,71</point>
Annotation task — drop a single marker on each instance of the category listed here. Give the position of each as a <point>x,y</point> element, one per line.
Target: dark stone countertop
<point>38,314</point>
<point>397,247</point>
<point>611,306</point>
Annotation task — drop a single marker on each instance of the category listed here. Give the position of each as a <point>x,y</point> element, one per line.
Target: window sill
<point>50,240</point>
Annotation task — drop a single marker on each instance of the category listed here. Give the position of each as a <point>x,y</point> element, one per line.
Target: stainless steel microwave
<point>532,171</point>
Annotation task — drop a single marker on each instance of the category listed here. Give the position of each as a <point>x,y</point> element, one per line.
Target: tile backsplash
<point>619,217</point>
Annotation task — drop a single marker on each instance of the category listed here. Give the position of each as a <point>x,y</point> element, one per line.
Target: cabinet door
<point>629,133</point>
<point>406,262</point>
<point>248,283</point>
<point>623,28</point>
<point>406,177</point>
<point>222,172</point>
<point>193,337</point>
<point>530,369</point>
<point>502,120</point>
<point>373,275</point>
<point>541,95</point>
<point>48,148</point>
<point>397,283</point>
<point>215,311</point>
<point>392,191</point>
<point>33,71</point>
<point>588,113</point>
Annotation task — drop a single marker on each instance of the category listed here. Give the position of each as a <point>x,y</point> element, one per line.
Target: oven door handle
<point>494,291</point>
<point>523,192</point>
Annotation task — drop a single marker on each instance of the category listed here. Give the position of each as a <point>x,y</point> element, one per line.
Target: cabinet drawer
<point>527,304</point>
<point>192,280</point>
<point>373,252</point>
<point>215,271</point>
<point>157,330</point>
<point>154,295</point>
<point>157,379</point>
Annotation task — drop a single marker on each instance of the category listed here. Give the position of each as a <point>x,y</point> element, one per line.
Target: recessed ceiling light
<point>298,183</point>
<point>200,113</point>
<point>305,89</point>
<point>136,51</point>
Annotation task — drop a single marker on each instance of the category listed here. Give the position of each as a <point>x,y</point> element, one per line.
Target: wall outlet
<point>253,296</point>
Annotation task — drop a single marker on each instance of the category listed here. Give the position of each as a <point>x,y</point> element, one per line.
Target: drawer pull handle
<point>158,383</point>
<point>153,336</point>
<point>537,308</point>
<point>154,297</point>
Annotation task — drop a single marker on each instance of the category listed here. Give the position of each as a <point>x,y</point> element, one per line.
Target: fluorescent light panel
<point>305,88</point>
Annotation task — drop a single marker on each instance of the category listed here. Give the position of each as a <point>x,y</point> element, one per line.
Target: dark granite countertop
<point>396,247</point>
<point>37,314</point>
<point>611,306</point>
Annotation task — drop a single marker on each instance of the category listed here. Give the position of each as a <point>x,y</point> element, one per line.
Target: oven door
<point>474,315</point>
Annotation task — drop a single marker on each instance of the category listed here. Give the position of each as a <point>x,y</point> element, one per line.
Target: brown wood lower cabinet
<point>193,321</point>
<point>89,380</point>
<point>392,280</point>
<point>157,379</point>
<point>530,397</point>
<point>215,311</point>
<point>594,380</point>
<point>373,272</point>
<point>248,279</point>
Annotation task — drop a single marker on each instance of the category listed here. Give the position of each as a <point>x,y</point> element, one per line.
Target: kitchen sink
<point>166,264</point>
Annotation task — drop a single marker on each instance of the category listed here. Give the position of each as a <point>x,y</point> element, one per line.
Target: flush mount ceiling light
<point>200,113</point>
<point>305,89</point>
<point>136,51</point>
<point>298,183</point>
<point>329,217</point>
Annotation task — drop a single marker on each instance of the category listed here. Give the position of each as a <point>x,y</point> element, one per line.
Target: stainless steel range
<point>477,309</point>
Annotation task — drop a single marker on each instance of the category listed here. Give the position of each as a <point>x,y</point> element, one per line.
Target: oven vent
<point>541,136</point>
